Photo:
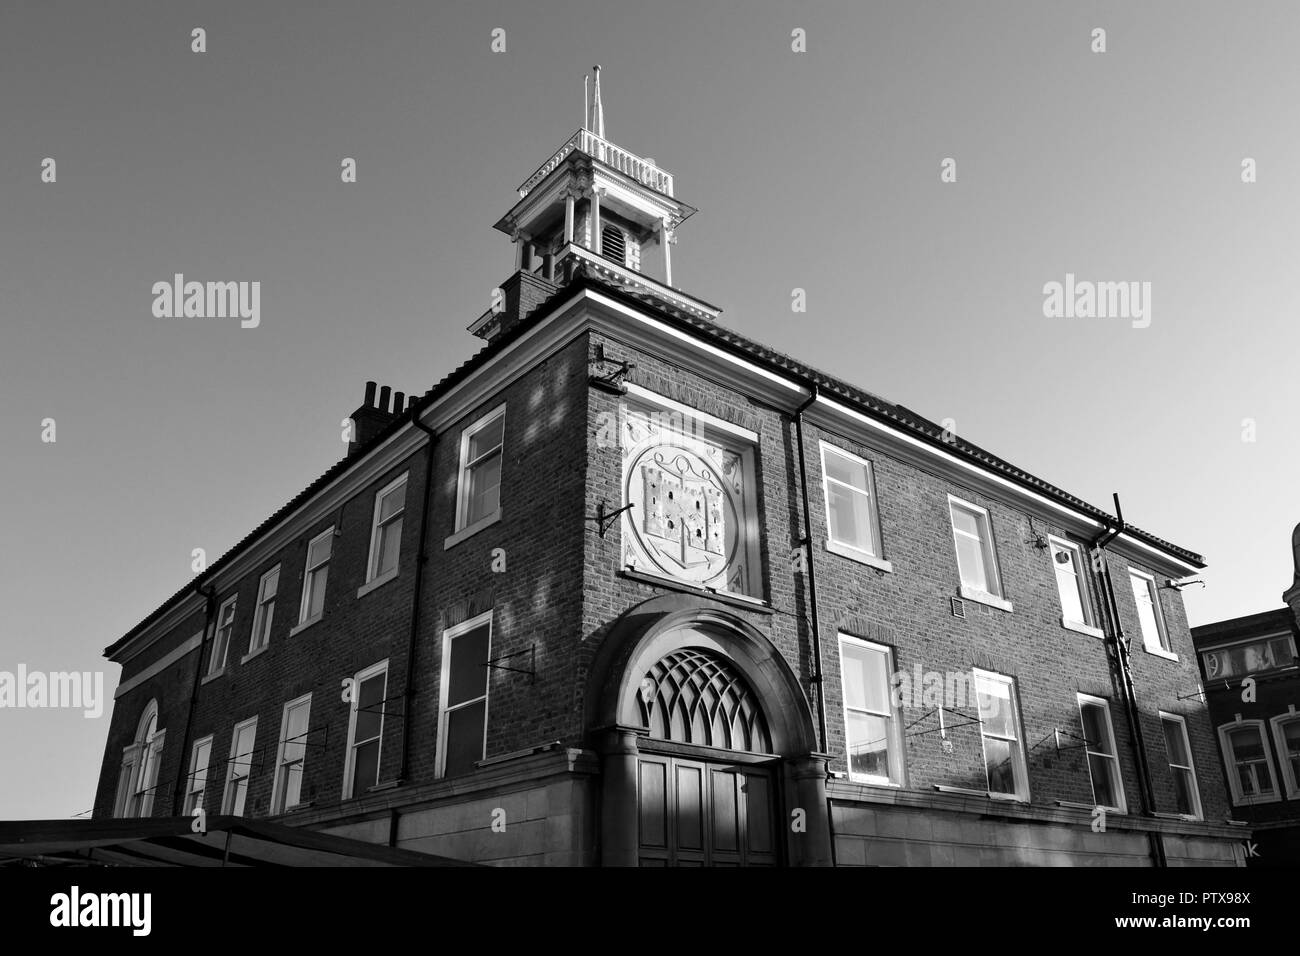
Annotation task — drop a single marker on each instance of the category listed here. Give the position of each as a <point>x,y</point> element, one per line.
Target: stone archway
<point>705,737</point>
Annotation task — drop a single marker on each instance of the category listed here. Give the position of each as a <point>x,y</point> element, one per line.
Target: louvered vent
<point>613,245</point>
<point>958,607</point>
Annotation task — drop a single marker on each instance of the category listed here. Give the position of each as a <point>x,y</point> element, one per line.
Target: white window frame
<point>280,763</point>
<point>227,799</point>
<point>1198,810</point>
<point>1260,639</point>
<point>463,528</point>
<point>1020,768</point>
<point>895,778</point>
<point>308,577</point>
<point>1117,779</point>
<point>988,550</point>
<point>874,557</point>
<point>448,637</point>
<point>1230,763</point>
<point>1089,623</point>
<point>217,642</point>
<point>1277,724</point>
<point>360,677</point>
<point>138,776</point>
<point>260,610</point>
<point>1162,636</point>
<point>194,796</point>
<point>372,561</point>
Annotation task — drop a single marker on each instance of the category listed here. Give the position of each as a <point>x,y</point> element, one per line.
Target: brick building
<point>630,588</point>
<point>1252,684</point>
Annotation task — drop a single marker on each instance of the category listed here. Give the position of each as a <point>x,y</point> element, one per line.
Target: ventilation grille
<point>612,244</point>
<point>958,607</point>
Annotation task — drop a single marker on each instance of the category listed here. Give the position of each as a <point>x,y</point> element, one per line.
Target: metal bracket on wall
<point>532,663</point>
<point>1056,735</point>
<point>613,381</point>
<point>605,519</point>
<point>942,729</point>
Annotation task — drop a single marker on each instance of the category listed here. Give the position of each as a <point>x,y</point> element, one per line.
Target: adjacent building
<point>1252,682</point>
<point>629,588</point>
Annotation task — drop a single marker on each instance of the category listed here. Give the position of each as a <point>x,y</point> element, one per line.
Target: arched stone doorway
<point>707,743</point>
<point>706,773</point>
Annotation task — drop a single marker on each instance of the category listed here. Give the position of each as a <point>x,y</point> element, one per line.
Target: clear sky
<point>818,170</point>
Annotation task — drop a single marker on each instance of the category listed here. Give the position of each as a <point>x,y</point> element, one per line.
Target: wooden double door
<point>704,812</point>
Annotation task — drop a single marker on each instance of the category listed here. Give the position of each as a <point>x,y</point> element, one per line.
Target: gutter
<point>209,595</point>
<point>1115,637</point>
<point>818,678</point>
<point>422,558</point>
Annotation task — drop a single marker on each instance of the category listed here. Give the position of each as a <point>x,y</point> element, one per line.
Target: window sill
<point>377,582</point>
<point>251,654</point>
<point>299,628</point>
<point>1187,817</point>
<point>1160,652</point>
<point>1252,801</point>
<point>471,530</point>
<point>1082,628</point>
<point>874,782</point>
<point>844,551</point>
<point>983,597</point>
<point>989,794</point>
<point>214,675</point>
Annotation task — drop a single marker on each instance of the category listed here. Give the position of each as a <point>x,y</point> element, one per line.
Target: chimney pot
<point>384,393</point>
<point>370,394</point>
<point>399,403</point>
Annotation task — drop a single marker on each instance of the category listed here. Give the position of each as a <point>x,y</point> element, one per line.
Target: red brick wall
<point>909,608</point>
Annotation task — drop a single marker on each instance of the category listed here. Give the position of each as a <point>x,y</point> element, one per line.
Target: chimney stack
<point>374,415</point>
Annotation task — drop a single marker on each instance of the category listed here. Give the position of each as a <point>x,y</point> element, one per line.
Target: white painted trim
<point>1292,785</point>
<point>1089,624</point>
<point>853,554</point>
<point>1113,756</point>
<point>216,631</point>
<point>188,790</point>
<point>160,665</point>
<point>875,532</point>
<point>1022,794</point>
<point>1162,627</point>
<point>638,391</point>
<point>258,606</point>
<point>454,539</point>
<point>897,769</point>
<point>993,574</point>
<point>227,803</point>
<point>377,582</point>
<point>307,569</point>
<point>1230,763</point>
<point>1187,743</point>
<point>449,635</point>
<point>462,486</point>
<point>373,554</point>
<point>983,597</point>
<point>274,807</point>
<point>349,746</point>
<point>1082,628</point>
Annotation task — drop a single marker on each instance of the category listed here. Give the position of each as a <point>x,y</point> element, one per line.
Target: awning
<point>171,841</point>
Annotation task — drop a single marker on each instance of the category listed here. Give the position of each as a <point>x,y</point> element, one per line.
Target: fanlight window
<point>693,697</point>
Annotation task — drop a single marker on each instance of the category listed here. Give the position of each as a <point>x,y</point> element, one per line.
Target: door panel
<point>713,814</point>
